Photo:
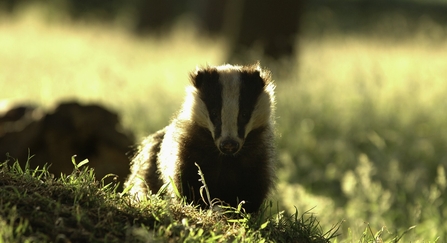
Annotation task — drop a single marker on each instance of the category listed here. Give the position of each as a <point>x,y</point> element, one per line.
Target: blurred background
<point>361,92</point>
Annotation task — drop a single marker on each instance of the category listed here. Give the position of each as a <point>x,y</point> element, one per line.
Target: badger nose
<point>229,146</point>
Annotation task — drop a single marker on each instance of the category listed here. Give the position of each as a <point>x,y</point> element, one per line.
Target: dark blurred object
<point>273,23</point>
<point>87,131</point>
<point>270,24</point>
<point>244,23</point>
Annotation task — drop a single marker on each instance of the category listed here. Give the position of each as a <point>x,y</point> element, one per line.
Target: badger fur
<point>226,127</point>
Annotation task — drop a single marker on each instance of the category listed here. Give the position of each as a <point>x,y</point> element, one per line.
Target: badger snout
<point>229,146</point>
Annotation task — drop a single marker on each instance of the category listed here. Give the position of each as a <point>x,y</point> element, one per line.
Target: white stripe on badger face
<point>230,105</point>
<point>263,110</point>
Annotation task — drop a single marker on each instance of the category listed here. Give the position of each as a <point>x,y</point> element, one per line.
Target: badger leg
<point>145,175</point>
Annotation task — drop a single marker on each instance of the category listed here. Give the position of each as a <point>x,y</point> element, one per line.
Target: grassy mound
<point>36,207</point>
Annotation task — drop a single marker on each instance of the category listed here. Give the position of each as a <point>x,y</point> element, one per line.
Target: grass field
<point>362,133</point>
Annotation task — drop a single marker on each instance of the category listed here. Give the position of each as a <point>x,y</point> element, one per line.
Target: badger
<point>225,128</point>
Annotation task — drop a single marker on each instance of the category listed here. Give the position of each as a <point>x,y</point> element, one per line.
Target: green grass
<point>36,207</point>
<point>361,129</point>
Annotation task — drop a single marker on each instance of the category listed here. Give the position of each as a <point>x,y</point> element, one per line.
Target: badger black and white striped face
<point>231,101</point>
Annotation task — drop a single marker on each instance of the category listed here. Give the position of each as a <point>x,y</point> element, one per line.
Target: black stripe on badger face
<point>210,91</point>
<point>231,96</point>
<point>252,86</point>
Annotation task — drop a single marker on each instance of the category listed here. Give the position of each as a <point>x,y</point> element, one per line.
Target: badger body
<point>225,126</point>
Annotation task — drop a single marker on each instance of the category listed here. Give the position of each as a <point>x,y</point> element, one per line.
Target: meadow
<point>361,120</point>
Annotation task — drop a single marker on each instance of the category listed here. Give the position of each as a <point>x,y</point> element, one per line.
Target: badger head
<point>230,101</point>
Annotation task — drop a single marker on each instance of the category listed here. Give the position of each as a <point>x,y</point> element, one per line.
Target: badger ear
<point>200,76</point>
<point>197,77</point>
<point>260,78</point>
